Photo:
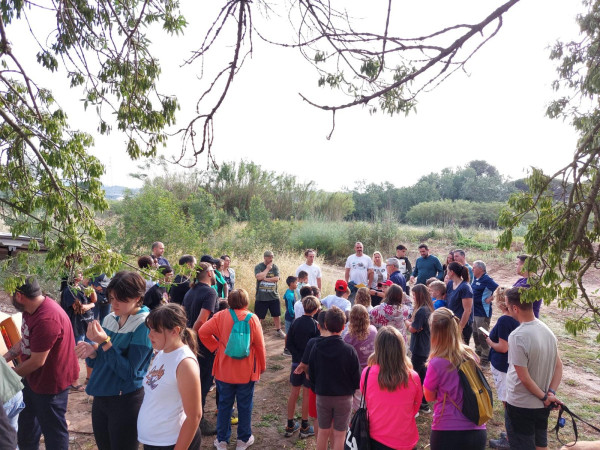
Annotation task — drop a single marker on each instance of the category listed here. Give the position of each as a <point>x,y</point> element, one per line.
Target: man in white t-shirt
<point>313,271</point>
<point>339,299</point>
<point>359,267</point>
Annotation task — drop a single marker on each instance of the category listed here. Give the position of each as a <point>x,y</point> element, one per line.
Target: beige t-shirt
<point>534,346</point>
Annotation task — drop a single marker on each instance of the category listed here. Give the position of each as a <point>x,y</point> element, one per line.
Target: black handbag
<point>357,436</point>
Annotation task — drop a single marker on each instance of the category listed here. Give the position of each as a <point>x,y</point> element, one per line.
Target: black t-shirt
<point>333,367</point>
<point>201,296</point>
<point>302,330</point>
<point>78,321</point>
<point>155,297</point>
<point>420,342</point>
<point>179,288</point>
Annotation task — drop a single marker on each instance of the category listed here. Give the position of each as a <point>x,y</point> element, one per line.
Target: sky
<point>493,111</point>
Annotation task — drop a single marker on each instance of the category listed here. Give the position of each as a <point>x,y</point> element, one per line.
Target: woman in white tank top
<point>171,411</point>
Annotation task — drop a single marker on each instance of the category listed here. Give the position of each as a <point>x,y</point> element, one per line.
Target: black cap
<point>209,259</point>
<point>31,288</point>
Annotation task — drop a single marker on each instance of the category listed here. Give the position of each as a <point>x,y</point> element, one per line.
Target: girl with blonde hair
<point>450,428</point>
<point>498,342</point>
<point>393,393</point>
<point>363,297</point>
<point>361,335</point>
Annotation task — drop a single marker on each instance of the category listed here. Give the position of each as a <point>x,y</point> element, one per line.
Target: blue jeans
<point>228,393</point>
<point>43,413</point>
<point>288,324</point>
<point>12,408</point>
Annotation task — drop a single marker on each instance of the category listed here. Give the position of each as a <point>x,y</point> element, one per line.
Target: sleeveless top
<point>161,414</point>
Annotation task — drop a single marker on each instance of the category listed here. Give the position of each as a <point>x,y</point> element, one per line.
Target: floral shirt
<point>393,315</point>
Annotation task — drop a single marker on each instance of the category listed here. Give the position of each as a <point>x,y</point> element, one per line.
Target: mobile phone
<point>484,331</point>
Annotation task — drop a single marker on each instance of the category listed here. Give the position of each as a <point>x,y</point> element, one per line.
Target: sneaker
<point>424,408</point>
<point>207,428</point>
<point>241,445</point>
<point>280,333</point>
<point>306,432</point>
<point>286,352</point>
<point>291,430</point>
<point>501,443</point>
<point>220,445</point>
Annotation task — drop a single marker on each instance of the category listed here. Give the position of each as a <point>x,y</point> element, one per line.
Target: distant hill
<point>117,192</point>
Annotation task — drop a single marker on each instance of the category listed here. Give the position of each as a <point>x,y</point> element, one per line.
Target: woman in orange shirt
<point>235,378</point>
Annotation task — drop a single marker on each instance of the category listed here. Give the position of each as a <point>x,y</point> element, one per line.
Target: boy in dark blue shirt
<point>302,330</point>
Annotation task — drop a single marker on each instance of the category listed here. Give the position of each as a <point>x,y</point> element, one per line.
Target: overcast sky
<point>494,111</point>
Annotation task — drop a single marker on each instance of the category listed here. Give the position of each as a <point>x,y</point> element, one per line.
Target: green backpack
<point>238,345</point>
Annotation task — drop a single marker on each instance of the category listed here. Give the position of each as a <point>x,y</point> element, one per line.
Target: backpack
<point>478,404</point>
<point>238,345</point>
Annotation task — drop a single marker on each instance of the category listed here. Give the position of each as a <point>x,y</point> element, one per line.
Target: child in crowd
<point>340,298</point>
<point>302,280</point>
<point>302,330</point>
<point>363,297</point>
<point>303,366</point>
<point>361,335</point>
<point>334,371</point>
<point>420,342</point>
<point>171,410</point>
<point>450,429</point>
<point>298,308</point>
<point>315,291</point>
<point>498,342</point>
<point>437,290</point>
<point>290,297</point>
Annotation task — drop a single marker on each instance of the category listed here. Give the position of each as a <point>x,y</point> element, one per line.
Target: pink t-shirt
<point>392,414</point>
<point>442,378</point>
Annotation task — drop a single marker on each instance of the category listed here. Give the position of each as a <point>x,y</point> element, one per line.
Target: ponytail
<point>460,270</point>
<point>190,339</point>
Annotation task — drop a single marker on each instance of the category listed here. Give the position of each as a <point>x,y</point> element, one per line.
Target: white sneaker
<point>280,333</point>
<point>220,445</point>
<point>241,445</point>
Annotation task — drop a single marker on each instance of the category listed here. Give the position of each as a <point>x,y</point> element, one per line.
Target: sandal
<point>77,388</point>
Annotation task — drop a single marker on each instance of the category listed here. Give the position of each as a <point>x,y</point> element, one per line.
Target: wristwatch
<point>552,390</point>
<point>544,398</point>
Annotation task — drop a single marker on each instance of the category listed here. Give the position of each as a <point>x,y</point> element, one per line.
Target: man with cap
<point>377,295</point>
<point>395,274</point>
<point>48,364</point>
<point>267,298</point>
<point>340,299</point>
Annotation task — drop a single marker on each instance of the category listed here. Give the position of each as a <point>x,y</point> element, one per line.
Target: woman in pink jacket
<point>235,378</point>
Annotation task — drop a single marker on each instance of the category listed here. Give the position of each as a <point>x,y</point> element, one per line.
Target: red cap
<point>341,286</point>
<point>387,283</point>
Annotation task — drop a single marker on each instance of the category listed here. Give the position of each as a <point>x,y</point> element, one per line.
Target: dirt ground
<point>580,386</point>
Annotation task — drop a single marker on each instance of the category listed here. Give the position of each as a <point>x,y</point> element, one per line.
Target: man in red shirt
<point>48,364</point>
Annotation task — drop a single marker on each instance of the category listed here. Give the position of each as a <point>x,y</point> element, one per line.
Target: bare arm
<point>262,276</point>
<point>467,307</point>
<point>501,346</point>
<point>202,318</point>
<point>35,361</point>
<point>347,274</point>
<point>14,351</point>
<point>558,372</point>
<point>429,395</point>
<point>188,384</point>
<point>319,283</point>
<point>370,276</point>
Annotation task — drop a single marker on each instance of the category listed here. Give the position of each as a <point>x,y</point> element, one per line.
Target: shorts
<point>298,380</point>
<point>526,428</point>
<point>273,306</point>
<point>312,404</point>
<point>334,409</point>
<point>500,381</point>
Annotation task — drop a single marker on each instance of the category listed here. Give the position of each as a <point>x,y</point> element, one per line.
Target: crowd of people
<point>391,337</point>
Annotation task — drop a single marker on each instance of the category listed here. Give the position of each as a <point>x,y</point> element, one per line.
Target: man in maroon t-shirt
<point>48,364</point>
